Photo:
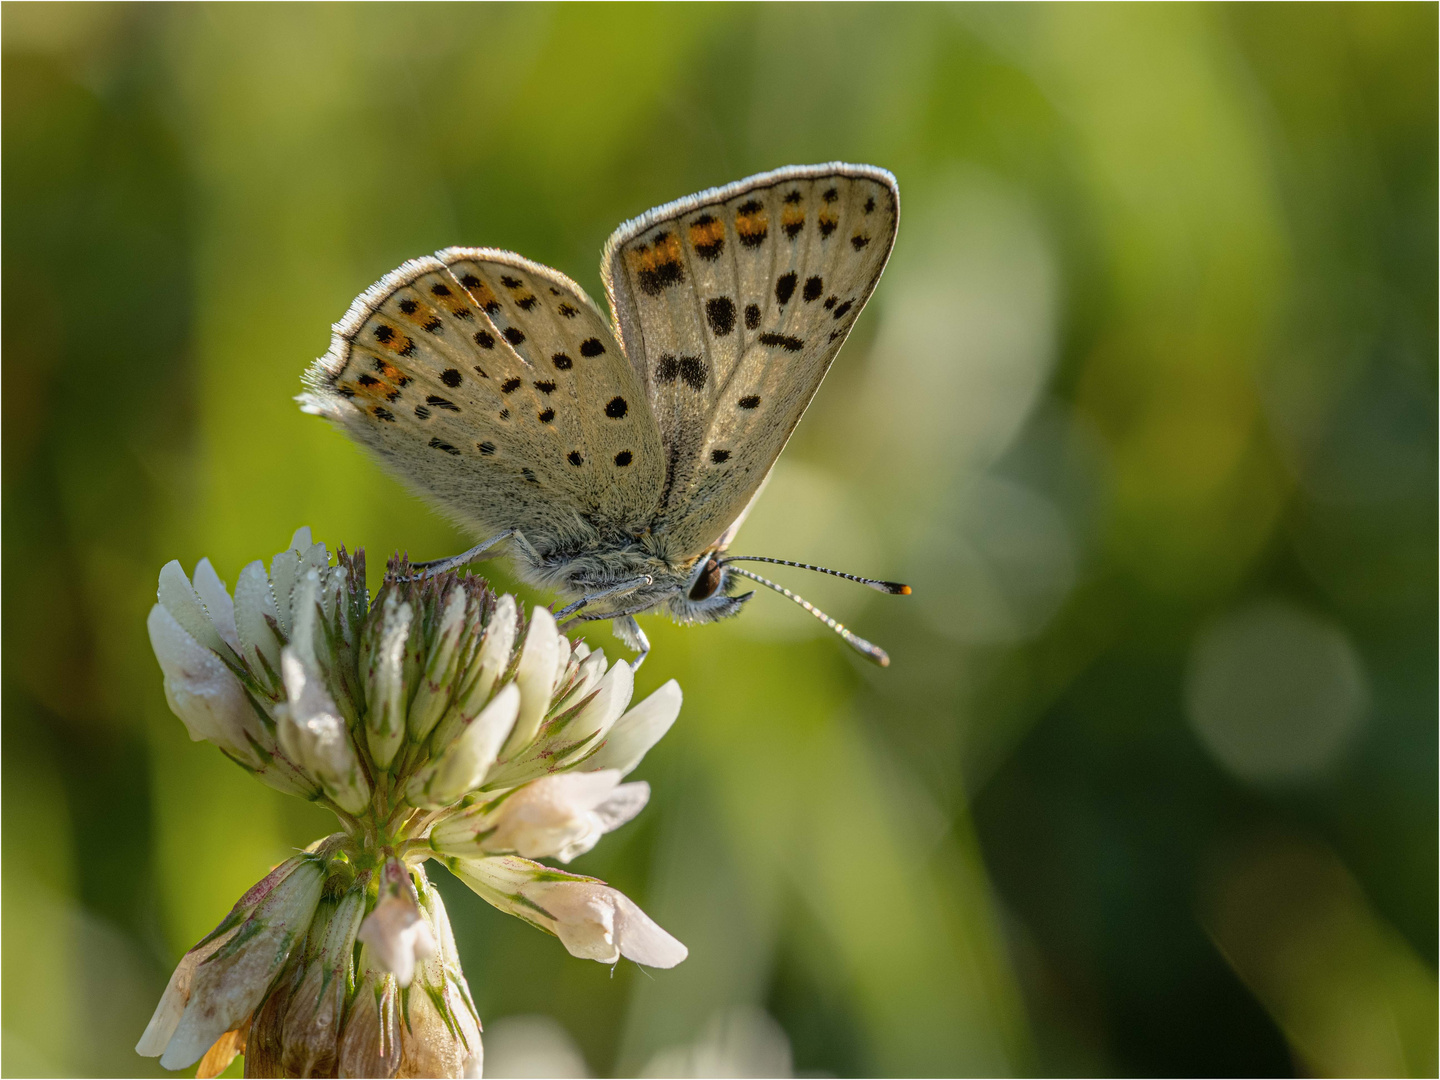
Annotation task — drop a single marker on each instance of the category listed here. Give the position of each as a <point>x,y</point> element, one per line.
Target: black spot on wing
<point>843,308</point>
<point>409,307</point>
<point>870,204</point>
<point>384,333</point>
<point>574,458</point>
<point>514,335</point>
<point>509,386</point>
<point>694,371</point>
<point>422,413</point>
<point>439,289</point>
<point>719,457</point>
<point>857,241</point>
<point>545,386</point>
<point>782,341</point>
<point>561,361</point>
<point>691,369</point>
<point>720,312</point>
<point>654,280</point>
<point>752,316</point>
<point>487,448</point>
<point>383,413</point>
<point>527,302</point>
<point>623,458</point>
<point>569,311</point>
<point>750,401</point>
<point>814,286</point>
<point>445,446</point>
<point>510,282</point>
<point>830,195</point>
<point>591,347</point>
<point>484,339</point>
<point>546,416</point>
<point>441,403</point>
<point>450,377</point>
<point>793,197</point>
<point>616,407</point>
<point>785,287</point>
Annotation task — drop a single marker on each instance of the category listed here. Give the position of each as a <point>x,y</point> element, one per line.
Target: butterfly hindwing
<point>494,385</point>
<point>732,305</point>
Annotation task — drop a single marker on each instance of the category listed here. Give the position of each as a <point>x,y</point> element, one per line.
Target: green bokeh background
<point>1144,408</point>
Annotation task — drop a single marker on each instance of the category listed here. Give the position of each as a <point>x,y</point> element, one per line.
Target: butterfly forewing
<point>732,304</point>
<point>484,379</point>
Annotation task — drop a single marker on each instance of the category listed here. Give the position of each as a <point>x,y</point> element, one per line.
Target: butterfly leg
<point>623,587</point>
<point>439,566</point>
<point>628,631</point>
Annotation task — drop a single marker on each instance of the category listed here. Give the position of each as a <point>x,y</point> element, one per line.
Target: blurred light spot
<point>806,515</point>
<point>968,334</point>
<point>1273,692</point>
<point>741,1042</point>
<point>532,1045</point>
<point>997,566</point>
<point>1348,991</point>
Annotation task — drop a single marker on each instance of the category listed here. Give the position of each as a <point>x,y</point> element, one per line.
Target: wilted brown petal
<point>370,1045</point>
<point>218,1058</point>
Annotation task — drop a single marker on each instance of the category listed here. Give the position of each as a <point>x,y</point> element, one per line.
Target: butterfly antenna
<point>894,588</point>
<point>855,641</point>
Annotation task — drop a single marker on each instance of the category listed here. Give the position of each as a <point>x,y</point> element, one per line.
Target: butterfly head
<point>703,597</point>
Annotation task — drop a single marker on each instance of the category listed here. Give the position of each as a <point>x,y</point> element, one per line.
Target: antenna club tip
<point>894,588</point>
<point>881,657</point>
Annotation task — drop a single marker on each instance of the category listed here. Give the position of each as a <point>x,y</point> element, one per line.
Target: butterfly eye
<point>708,581</point>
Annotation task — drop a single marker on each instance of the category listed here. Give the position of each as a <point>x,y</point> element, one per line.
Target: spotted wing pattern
<point>732,305</point>
<point>494,385</point>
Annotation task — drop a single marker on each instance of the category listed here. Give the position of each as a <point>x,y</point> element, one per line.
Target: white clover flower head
<point>436,722</point>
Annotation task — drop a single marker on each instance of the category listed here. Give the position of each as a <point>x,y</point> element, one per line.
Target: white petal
<point>181,600</point>
<point>584,920</point>
<point>436,684</point>
<point>464,763</point>
<point>398,936</point>
<point>606,706</point>
<point>385,683</point>
<point>218,604</point>
<point>256,619</point>
<point>627,801</point>
<point>284,571</point>
<point>201,690</point>
<point>642,939</point>
<point>632,736</point>
<point>496,647</point>
<point>314,735</point>
<point>535,676</point>
<point>592,670</point>
<point>552,816</point>
<point>301,541</point>
<point>562,661</point>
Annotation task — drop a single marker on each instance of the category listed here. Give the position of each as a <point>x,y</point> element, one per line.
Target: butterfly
<point>618,460</point>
